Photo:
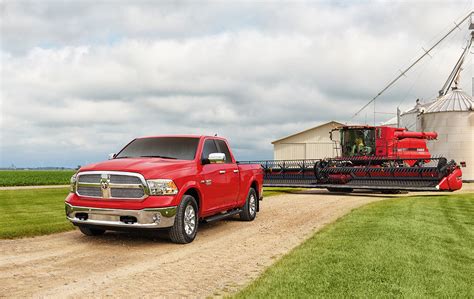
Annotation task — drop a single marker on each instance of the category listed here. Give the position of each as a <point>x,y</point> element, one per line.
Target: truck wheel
<point>249,210</point>
<point>91,231</point>
<point>186,222</point>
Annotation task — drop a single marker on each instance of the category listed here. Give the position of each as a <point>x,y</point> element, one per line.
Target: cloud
<point>80,80</point>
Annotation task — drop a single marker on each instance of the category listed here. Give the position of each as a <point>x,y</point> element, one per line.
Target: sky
<point>80,79</point>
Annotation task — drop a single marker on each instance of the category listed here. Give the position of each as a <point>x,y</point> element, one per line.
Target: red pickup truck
<point>169,182</point>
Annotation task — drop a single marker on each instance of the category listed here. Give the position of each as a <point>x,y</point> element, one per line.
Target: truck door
<point>213,180</point>
<point>231,174</point>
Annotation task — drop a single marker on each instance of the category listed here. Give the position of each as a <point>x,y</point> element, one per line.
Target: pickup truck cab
<point>164,182</point>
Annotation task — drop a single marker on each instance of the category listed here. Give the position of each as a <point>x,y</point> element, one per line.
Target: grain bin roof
<point>418,107</point>
<point>454,100</point>
<point>318,126</point>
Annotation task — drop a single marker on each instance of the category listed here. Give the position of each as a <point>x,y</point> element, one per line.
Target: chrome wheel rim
<point>189,220</point>
<point>252,205</point>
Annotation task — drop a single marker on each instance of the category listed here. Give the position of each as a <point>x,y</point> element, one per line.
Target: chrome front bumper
<point>146,218</point>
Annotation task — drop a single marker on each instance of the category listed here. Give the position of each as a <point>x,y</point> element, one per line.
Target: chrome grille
<point>127,193</point>
<point>124,179</point>
<point>111,184</point>
<point>89,178</point>
<point>89,191</point>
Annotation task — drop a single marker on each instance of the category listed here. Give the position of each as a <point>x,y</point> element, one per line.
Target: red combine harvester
<point>377,158</point>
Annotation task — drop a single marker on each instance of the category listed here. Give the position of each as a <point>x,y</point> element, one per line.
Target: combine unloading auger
<point>376,158</point>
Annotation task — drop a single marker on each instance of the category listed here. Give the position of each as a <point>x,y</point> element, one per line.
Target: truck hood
<point>148,167</point>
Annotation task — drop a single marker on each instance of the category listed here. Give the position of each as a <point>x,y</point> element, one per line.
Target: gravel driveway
<point>225,256</point>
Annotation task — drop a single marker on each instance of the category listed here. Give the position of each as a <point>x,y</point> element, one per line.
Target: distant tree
<point>78,166</point>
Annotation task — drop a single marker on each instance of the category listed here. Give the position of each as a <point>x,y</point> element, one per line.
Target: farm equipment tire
<point>343,190</point>
<point>391,191</point>
<point>320,175</point>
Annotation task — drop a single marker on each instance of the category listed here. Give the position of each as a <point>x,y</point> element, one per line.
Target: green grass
<point>272,191</point>
<point>406,247</point>
<point>32,212</point>
<point>34,177</point>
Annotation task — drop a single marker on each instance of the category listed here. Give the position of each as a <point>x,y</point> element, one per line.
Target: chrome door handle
<point>221,171</point>
<point>236,171</point>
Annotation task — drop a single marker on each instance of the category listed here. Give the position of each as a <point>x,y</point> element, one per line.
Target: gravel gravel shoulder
<point>225,256</point>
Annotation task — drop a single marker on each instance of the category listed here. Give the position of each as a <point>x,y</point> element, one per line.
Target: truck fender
<point>252,180</point>
<point>186,187</point>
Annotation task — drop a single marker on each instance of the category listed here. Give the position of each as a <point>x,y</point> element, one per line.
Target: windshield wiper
<point>156,156</point>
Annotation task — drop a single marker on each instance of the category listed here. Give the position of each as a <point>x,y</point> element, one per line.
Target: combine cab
<point>378,158</point>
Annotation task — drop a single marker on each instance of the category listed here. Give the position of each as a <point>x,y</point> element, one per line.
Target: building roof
<point>454,100</point>
<point>318,126</point>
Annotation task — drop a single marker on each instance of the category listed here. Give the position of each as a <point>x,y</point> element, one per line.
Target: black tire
<point>319,173</point>
<point>182,231</point>
<point>249,211</point>
<point>391,191</point>
<point>343,190</point>
<point>91,231</point>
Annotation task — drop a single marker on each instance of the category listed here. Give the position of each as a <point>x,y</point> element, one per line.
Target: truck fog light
<point>157,218</point>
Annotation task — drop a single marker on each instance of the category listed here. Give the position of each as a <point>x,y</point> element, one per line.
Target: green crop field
<point>34,177</point>
<point>406,247</point>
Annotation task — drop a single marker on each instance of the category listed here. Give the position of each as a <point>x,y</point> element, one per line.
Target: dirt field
<point>225,256</point>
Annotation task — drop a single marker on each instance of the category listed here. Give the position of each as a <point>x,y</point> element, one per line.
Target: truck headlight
<point>73,183</point>
<point>162,187</point>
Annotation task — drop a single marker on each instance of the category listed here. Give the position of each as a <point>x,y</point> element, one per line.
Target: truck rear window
<point>180,148</point>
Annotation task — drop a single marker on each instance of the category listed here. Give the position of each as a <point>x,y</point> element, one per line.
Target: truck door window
<point>222,146</point>
<point>209,148</point>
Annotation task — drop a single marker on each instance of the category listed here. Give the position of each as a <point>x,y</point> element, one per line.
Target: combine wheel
<point>320,175</point>
<point>391,191</point>
<point>343,190</point>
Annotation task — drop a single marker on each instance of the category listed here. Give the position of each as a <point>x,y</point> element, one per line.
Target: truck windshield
<point>181,148</point>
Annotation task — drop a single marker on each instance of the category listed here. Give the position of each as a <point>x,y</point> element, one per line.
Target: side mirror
<point>216,158</point>
<point>112,155</point>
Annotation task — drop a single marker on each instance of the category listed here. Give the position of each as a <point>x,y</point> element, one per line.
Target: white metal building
<point>313,143</point>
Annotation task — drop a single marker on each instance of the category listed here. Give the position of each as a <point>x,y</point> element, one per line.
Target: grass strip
<point>273,191</point>
<point>406,247</point>
<point>32,212</point>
